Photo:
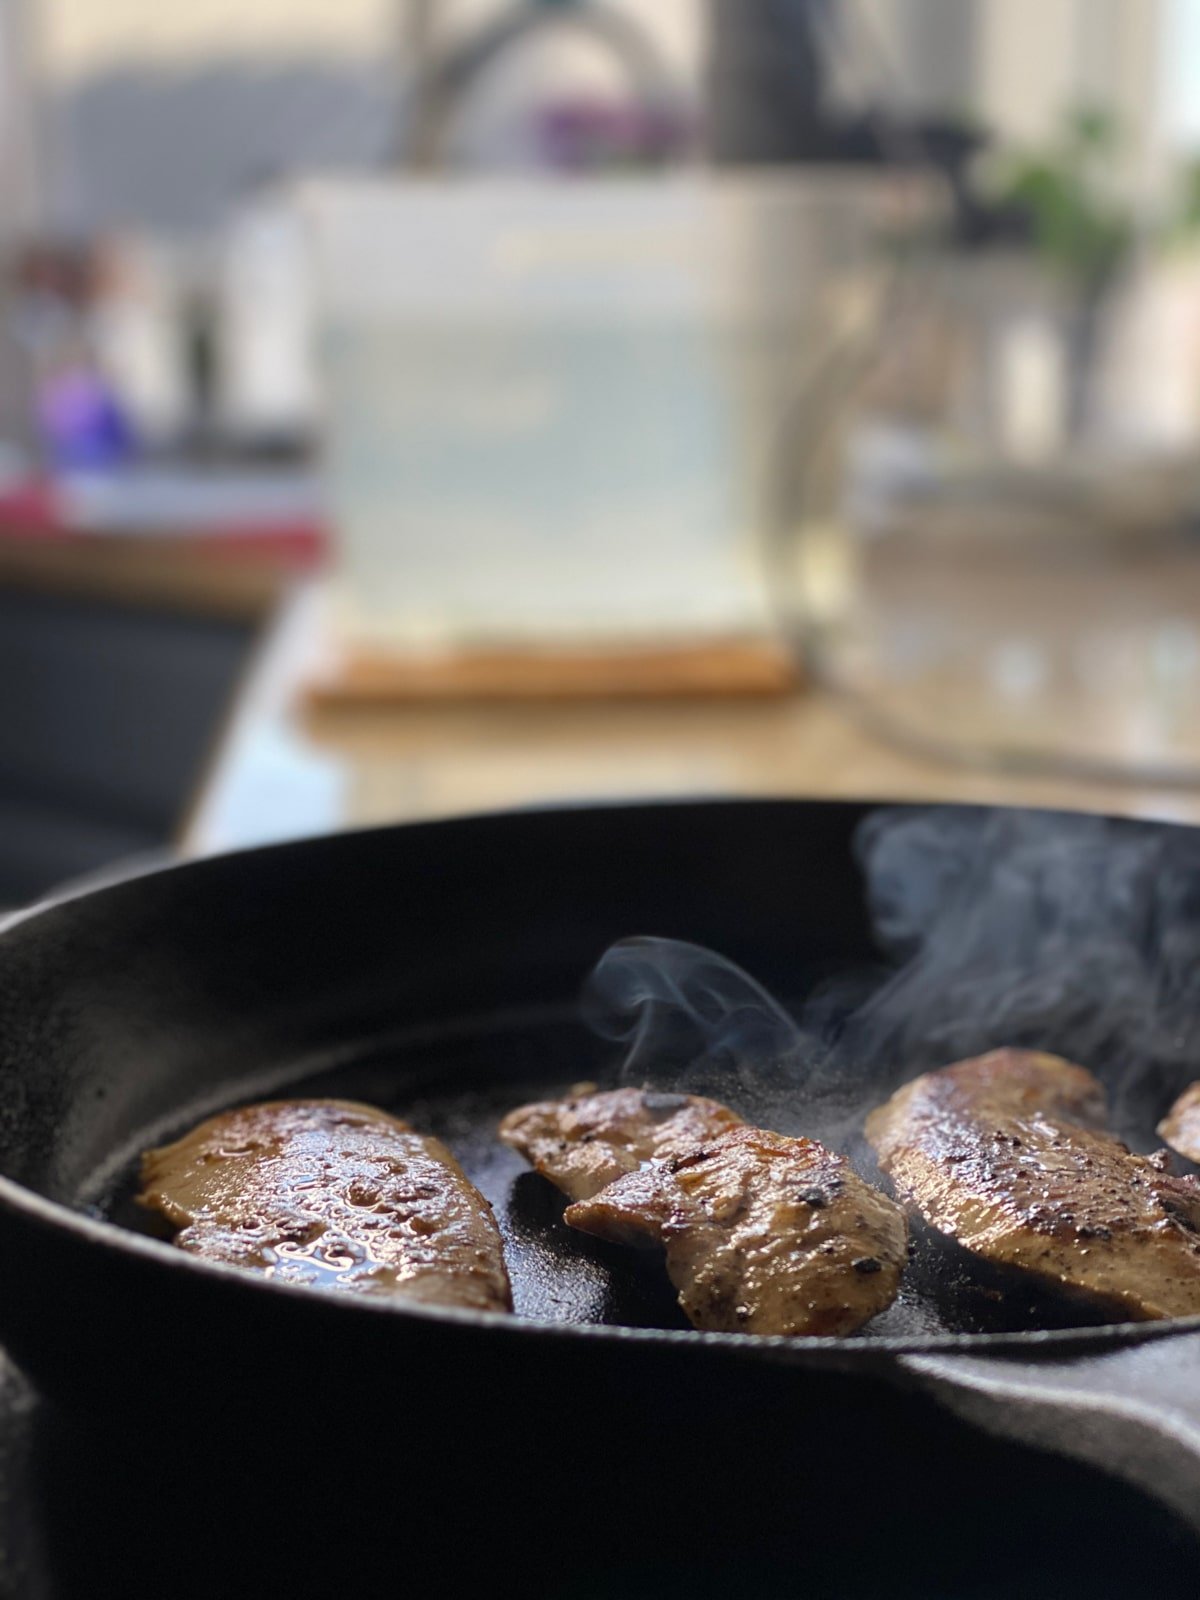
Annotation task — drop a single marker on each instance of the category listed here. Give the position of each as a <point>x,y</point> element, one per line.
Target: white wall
<point>82,36</point>
<point>18,141</point>
<point>1035,58</point>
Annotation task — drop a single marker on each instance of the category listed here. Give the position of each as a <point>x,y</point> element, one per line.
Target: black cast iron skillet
<point>435,969</point>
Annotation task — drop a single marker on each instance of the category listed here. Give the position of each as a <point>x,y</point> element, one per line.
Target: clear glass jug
<point>991,536</point>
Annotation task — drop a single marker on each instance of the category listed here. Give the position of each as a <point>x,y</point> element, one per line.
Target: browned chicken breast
<point>589,1139</point>
<point>1004,1154</point>
<point>1181,1125</point>
<point>331,1193</point>
<point>763,1234</point>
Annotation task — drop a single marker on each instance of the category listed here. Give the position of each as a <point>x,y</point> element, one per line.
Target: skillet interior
<point>434,971</point>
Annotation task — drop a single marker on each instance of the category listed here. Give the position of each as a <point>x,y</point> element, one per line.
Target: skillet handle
<point>1133,1410</point>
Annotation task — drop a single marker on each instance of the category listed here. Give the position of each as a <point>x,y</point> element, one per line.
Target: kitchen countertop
<point>145,571</point>
<point>284,771</point>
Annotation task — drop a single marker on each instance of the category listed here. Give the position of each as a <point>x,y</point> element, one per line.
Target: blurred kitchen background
<point>413,406</point>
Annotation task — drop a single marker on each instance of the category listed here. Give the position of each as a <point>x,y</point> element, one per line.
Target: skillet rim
<point>24,1203</point>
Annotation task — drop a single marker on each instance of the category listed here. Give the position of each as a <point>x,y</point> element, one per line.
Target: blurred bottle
<point>266,396</point>
<point>83,425</point>
<point>132,324</point>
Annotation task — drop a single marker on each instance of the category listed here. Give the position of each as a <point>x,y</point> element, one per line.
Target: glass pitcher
<point>990,535</point>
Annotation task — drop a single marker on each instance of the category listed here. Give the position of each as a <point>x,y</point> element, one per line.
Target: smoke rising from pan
<point>1075,934</point>
<point>1069,933</point>
<point>691,1019</point>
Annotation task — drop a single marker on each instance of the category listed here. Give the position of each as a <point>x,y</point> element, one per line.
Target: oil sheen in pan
<point>459,1087</point>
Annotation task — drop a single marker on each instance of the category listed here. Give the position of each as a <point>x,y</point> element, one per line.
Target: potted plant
<point>1061,198</point>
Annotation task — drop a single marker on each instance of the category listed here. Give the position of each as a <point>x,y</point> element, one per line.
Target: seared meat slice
<point>1181,1125</point>
<point>328,1192</point>
<point>763,1234</point>
<point>585,1141</point>
<point>1004,1154</point>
